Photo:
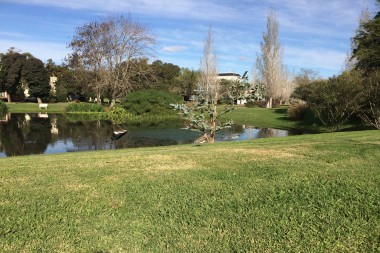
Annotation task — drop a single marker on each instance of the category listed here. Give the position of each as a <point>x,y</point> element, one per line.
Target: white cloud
<point>173,49</point>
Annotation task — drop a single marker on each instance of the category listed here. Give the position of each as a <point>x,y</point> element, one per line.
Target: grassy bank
<point>33,108</point>
<point>312,193</point>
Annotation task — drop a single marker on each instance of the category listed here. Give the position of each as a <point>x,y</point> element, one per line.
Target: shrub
<point>256,103</point>
<point>297,109</point>
<point>335,100</point>
<point>84,107</point>
<point>3,108</point>
<point>150,102</point>
<point>119,114</point>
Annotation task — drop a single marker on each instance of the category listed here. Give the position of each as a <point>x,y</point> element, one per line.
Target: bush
<point>150,102</point>
<point>297,109</point>
<point>335,100</point>
<point>119,115</point>
<point>3,108</point>
<point>256,103</point>
<point>84,107</point>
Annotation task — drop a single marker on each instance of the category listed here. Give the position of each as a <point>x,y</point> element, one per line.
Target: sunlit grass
<point>312,193</point>
<point>33,107</point>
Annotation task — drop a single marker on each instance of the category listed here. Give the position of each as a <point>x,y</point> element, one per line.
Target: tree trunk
<point>9,98</point>
<point>113,102</point>
<point>98,98</point>
<point>213,125</point>
<point>270,103</point>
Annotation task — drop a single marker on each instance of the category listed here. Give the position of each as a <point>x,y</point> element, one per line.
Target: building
<point>229,76</point>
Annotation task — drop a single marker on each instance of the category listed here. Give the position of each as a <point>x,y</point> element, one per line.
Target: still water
<point>27,134</point>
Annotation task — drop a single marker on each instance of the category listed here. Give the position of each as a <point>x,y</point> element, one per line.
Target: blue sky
<point>314,34</point>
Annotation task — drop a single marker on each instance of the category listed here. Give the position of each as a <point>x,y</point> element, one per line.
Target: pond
<point>27,134</point>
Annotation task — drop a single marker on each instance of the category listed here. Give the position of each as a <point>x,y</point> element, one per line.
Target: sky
<point>314,34</point>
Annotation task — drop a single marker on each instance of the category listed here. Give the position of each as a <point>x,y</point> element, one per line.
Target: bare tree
<point>113,49</point>
<point>127,43</point>
<point>270,66</point>
<point>209,82</point>
<point>87,45</point>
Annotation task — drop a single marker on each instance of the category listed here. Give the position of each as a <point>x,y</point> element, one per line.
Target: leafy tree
<point>187,81</point>
<point>11,67</point>
<point>37,78</point>
<point>366,58</point>
<point>165,76</point>
<point>21,72</point>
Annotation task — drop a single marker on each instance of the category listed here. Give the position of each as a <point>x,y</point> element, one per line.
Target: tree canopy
<point>21,72</point>
<point>366,49</point>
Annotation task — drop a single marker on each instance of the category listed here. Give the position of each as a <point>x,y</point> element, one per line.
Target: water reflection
<point>26,134</point>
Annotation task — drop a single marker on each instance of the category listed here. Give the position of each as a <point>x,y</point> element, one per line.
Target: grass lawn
<point>310,193</point>
<point>33,107</point>
<point>277,118</point>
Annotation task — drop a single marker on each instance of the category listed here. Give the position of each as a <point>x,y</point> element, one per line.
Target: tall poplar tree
<point>269,63</point>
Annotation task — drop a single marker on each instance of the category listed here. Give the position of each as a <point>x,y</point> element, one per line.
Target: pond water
<point>27,134</point>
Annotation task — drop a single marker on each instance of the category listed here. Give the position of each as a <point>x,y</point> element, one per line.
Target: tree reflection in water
<point>26,134</point>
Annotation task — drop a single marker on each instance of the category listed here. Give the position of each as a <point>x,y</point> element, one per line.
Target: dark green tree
<point>37,78</point>
<point>11,67</point>
<point>165,76</point>
<point>366,49</point>
<point>366,58</point>
<point>187,82</point>
<point>20,72</point>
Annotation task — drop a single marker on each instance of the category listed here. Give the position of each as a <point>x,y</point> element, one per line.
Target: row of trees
<point>22,75</point>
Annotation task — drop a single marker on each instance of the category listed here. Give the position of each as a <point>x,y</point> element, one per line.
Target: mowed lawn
<point>311,193</point>
<point>23,107</point>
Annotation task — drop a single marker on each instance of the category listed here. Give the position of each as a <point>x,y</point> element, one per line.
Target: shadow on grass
<point>281,110</point>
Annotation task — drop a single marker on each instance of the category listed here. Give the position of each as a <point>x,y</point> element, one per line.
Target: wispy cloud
<point>173,49</point>
<point>184,9</point>
<point>13,34</point>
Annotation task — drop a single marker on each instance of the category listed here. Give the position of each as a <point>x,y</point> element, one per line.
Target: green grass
<point>311,193</point>
<point>277,118</point>
<point>33,107</point>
